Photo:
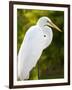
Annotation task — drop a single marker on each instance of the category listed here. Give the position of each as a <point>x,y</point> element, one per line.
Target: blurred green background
<point>51,62</point>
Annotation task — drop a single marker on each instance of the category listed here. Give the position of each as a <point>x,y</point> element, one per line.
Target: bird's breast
<point>47,37</point>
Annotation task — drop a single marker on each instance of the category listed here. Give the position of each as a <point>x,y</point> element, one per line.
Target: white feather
<point>31,49</point>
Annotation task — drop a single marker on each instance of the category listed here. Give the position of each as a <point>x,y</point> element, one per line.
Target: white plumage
<point>36,39</point>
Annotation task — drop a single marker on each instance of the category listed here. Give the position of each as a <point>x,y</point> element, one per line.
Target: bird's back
<point>30,52</point>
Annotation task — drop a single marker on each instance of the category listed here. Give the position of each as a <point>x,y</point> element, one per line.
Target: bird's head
<point>45,21</point>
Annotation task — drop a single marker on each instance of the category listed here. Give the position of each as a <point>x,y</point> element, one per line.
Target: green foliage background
<point>51,63</point>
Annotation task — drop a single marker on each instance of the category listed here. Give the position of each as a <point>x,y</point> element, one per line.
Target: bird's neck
<point>41,26</point>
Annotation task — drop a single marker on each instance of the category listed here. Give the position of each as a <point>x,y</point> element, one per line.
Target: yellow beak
<point>51,24</point>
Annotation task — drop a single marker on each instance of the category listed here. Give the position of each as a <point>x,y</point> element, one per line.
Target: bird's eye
<point>44,35</point>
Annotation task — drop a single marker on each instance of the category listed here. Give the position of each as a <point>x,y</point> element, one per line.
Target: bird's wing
<point>29,53</point>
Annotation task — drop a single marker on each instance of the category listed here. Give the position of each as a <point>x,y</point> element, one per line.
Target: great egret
<point>36,39</point>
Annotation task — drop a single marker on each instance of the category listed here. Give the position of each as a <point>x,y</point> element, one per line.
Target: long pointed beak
<point>51,24</point>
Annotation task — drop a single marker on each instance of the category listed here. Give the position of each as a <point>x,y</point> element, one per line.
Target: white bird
<point>36,39</point>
